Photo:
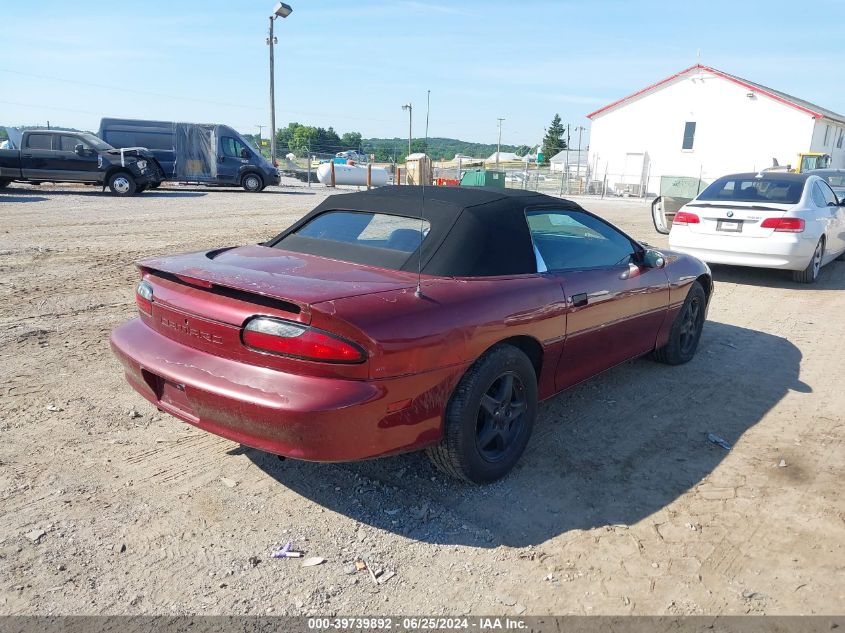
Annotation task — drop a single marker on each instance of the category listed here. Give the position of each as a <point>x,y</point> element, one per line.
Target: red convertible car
<point>400,319</point>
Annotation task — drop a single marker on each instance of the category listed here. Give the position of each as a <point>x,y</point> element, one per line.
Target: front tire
<point>122,184</point>
<point>489,418</point>
<point>811,272</point>
<point>252,182</point>
<point>686,330</point>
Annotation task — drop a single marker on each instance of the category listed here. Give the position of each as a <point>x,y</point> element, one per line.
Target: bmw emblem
<point>730,214</point>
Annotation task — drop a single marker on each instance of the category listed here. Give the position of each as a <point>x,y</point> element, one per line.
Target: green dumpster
<point>482,178</point>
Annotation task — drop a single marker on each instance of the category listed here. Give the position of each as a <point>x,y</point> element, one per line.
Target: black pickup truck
<point>68,156</point>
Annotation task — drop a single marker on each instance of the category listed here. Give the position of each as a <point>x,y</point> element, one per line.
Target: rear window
<point>39,141</point>
<point>377,230</point>
<point>361,237</point>
<point>835,180</point>
<point>754,190</point>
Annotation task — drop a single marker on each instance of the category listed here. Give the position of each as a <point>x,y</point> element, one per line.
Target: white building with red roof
<point>705,122</point>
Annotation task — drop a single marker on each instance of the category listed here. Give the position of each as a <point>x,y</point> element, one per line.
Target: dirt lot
<point>620,504</point>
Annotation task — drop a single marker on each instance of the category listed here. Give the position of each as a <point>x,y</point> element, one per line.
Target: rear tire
<point>489,417</point>
<point>811,273</point>
<point>686,330</point>
<point>252,182</point>
<point>122,184</point>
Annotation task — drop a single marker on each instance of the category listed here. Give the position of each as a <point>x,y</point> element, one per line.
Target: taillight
<point>783,225</point>
<point>685,217</point>
<point>144,298</point>
<point>299,341</point>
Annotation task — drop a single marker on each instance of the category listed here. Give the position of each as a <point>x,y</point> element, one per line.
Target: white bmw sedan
<point>767,220</point>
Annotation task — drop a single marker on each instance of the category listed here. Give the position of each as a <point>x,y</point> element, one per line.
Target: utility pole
<point>410,108</point>
<point>579,129</point>
<point>260,128</point>
<point>271,41</point>
<point>499,144</point>
<point>281,10</point>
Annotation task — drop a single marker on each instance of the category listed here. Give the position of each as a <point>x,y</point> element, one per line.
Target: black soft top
<point>475,232</point>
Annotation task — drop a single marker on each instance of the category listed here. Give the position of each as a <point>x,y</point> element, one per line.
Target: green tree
<point>553,141</point>
<point>284,136</point>
<point>351,140</point>
<point>522,150</point>
<point>327,141</point>
<point>303,141</point>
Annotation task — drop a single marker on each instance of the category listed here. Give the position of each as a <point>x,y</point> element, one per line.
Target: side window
<point>689,135</point>
<point>818,196</point>
<point>69,142</point>
<point>829,196</point>
<point>572,240</point>
<point>40,141</point>
<point>232,146</point>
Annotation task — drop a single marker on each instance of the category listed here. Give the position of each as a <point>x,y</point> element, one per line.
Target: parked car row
<point>130,156</point>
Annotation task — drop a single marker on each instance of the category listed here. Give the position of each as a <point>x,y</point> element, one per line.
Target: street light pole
<point>281,10</point>
<point>579,129</point>
<point>499,144</point>
<point>410,108</point>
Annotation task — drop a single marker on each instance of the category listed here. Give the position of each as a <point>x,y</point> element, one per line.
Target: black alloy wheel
<point>501,416</point>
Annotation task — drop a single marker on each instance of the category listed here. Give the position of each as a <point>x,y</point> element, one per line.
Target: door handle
<point>26,155</point>
<point>579,300</point>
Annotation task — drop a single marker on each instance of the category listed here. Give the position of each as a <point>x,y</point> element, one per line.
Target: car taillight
<point>144,298</point>
<point>783,225</point>
<point>685,217</point>
<point>299,341</point>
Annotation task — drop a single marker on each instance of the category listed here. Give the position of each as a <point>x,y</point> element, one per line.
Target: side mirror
<point>245,153</point>
<point>79,149</point>
<point>653,259</point>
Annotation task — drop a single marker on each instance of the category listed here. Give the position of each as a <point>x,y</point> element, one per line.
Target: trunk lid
<point>739,219</point>
<point>270,277</point>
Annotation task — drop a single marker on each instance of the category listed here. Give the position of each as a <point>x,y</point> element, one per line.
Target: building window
<point>839,140</point>
<point>826,134</point>
<point>689,135</point>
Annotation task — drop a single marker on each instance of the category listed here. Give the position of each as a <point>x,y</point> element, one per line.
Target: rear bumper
<point>304,417</point>
<point>789,251</point>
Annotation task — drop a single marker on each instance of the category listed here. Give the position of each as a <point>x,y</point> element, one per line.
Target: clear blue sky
<point>351,64</point>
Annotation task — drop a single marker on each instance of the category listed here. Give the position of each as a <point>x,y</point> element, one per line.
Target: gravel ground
<point>620,504</point>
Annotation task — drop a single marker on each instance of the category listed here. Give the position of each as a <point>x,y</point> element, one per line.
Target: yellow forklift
<point>806,162</point>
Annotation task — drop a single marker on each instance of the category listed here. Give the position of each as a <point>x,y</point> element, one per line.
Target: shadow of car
<point>613,450</point>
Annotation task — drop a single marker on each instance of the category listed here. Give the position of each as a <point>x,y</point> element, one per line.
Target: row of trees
<point>304,139</point>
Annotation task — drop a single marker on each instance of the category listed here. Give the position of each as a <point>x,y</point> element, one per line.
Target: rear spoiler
<point>197,269</point>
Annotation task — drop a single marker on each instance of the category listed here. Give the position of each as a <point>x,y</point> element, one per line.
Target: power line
<point>130,90</point>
